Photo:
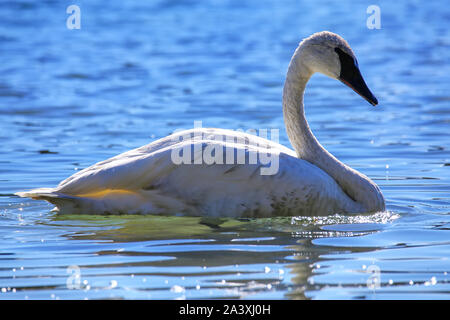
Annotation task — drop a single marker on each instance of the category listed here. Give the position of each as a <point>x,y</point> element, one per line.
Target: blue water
<point>138,70</point>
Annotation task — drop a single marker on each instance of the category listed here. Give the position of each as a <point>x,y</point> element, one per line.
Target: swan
<point>308,181</point>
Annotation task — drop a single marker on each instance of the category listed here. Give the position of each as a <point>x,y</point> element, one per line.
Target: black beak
<point>351,76</point>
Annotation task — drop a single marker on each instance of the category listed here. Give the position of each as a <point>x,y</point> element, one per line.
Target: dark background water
<point>138,70</point>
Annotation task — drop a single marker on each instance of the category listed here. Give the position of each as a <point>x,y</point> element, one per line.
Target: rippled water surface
<point>138,70</point>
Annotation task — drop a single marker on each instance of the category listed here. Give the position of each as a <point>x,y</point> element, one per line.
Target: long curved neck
<point>357,186</point>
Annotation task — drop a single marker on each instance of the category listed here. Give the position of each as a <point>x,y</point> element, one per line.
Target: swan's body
<point>309,180</point>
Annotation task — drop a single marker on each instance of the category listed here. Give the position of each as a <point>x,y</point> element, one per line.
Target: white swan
<point>309,181</point>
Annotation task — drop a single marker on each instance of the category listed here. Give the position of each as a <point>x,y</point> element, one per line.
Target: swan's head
<point>330,54</point>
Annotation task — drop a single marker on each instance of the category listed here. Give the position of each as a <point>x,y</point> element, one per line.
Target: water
<point>136,71</point>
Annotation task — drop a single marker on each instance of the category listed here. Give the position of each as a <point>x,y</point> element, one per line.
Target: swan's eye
<point>346,59</point>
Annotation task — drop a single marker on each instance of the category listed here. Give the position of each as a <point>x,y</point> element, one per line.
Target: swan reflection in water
<point>154,253</point>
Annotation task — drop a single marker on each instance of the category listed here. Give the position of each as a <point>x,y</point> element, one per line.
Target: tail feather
<point>108,202</point>
<point>41,193</point>
<point>63,202</point>
<point>103,202</point>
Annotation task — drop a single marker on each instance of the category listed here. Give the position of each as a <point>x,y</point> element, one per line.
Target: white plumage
<point>147,180</point>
